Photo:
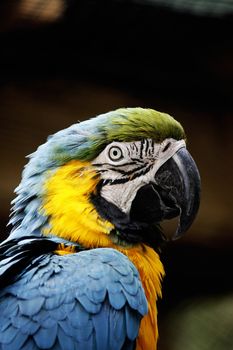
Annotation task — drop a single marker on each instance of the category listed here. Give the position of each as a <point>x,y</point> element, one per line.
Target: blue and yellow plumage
<point>79,269</point>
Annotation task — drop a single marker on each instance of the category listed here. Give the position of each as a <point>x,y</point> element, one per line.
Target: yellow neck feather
<point>66,202</point>
<point>73,217</point>
<point>151,271</point>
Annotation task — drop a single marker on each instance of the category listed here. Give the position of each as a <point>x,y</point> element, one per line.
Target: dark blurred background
<point>64,61</point>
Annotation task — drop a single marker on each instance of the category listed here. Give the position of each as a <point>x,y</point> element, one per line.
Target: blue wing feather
<point>45,337</point>
<point>117,331</point>
<point>101,326</point>
<point>64,342</point>
<point>30,307</point>
<point>132,323</point>
<point>8,334</point>
<point>88,300</point>
<point>29,345</point>
<point>17,341</point>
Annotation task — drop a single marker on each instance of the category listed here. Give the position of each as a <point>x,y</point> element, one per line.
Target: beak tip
<point>186,220</point>
<point>179,233</point>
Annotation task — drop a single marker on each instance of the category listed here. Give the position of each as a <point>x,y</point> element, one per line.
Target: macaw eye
<point>115,153</point>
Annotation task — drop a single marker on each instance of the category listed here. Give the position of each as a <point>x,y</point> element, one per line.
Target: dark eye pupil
<point>115,153</point>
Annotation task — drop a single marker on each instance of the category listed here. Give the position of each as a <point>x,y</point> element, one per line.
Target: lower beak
<point>174,192</point>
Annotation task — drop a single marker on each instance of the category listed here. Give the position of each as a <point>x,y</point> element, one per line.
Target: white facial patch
<point>125,167</point>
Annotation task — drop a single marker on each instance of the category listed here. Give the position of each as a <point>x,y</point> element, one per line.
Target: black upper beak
<point>175,192</point>
<point>178,185</point>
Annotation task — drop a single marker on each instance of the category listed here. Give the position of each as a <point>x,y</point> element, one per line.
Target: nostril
<point>166,147</point>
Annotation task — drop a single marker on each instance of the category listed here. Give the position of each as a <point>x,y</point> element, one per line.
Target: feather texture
<point>66,302</point>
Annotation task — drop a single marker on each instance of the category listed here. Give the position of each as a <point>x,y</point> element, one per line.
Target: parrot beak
<point>174,192</point>
<point>178,180</point>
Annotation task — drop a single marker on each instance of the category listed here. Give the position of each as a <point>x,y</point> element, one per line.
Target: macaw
<point>81,267</point>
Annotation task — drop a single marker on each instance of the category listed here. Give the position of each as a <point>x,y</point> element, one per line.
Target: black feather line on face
<point>146,146</point>
<point>140,171</point>
<point>129,172</point>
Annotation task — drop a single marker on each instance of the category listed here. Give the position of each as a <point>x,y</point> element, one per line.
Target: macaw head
<point>110,180</point>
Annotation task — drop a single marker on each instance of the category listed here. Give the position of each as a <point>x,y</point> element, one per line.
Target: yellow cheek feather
<point>73,217</point>
<point>66,202</point>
